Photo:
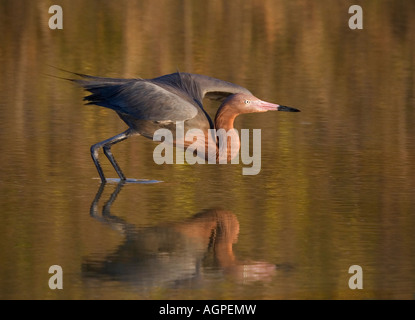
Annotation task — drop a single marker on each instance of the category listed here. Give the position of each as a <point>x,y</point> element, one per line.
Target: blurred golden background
<point>337,183</point>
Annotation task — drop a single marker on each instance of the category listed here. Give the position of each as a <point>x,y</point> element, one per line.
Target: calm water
<point>337,184</point>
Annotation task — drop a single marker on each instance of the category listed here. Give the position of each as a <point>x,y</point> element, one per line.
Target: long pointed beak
<point>267,106</point>
<point>288,109</point>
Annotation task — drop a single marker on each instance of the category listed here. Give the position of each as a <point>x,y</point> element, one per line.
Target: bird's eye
<point>247,101</point>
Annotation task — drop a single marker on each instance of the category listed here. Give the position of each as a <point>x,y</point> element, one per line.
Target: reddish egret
<point>147,105</point>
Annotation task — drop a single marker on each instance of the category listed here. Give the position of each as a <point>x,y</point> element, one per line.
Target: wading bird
<point>147,105</point>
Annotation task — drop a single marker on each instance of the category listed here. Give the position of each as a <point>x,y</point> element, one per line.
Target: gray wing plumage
<point>199,86</point>
<point>138,98</point>
<point>174,97</point>
<point>216,89</point>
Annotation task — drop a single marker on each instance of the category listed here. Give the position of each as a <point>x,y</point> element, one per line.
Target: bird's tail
<point>101,88</point>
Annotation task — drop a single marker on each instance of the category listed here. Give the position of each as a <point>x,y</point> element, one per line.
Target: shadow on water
<point>174,254</point>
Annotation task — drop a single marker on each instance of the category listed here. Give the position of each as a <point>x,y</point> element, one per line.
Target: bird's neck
<point>224,118</point>
<point>228,142</point>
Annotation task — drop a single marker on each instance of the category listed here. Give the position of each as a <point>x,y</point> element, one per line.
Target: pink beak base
<point>267,106</point>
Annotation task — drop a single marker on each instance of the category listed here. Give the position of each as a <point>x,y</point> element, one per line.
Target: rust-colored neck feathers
<point>231,107</point>
<point>224,119</point>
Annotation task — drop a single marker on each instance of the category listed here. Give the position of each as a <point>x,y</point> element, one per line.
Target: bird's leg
<point>106,145</point>
<point>108,153</point>
<point>94,154</point>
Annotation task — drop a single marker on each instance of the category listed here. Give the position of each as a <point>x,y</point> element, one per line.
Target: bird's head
<point>246,103</point>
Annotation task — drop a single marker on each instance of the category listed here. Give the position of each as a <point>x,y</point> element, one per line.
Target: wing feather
<point>200,86</point>
<point>141,99</point>
<point>172,97</point>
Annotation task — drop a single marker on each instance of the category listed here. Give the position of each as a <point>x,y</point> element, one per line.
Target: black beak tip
<point>288,109</point>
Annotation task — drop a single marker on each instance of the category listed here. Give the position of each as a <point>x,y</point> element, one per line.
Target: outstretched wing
<point>174,97</point>
<point>200,86</point>
<point>141,99</point>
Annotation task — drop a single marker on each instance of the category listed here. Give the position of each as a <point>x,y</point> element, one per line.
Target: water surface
<point>336,186</point>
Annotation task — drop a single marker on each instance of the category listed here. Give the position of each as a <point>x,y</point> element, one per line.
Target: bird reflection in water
<point>173,254</point>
